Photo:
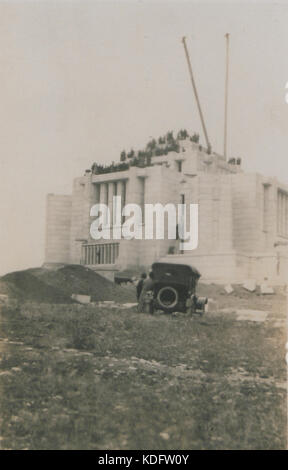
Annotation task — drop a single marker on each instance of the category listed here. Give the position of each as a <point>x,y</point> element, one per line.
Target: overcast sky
<point>80,81</point>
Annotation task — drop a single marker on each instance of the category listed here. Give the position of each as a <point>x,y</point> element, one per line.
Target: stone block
<point>228,289</point>
<point>265,289</point>
<point>82,299</point>
<point>211,306</point>
<point>250,285</point>
<point>251,315</point>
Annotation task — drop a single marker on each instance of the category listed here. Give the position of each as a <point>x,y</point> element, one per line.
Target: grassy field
<point>84,377</point>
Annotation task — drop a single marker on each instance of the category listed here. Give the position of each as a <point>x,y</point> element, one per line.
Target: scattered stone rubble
<point>3,298</point>
<point>228,289</point>
<point>251,315</point>
<point>265,289</point>
<point>211,306</point>
<point>82,299</point>
<point>250,285</point>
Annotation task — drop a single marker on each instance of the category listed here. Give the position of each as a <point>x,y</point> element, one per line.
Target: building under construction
<point>243,217</point>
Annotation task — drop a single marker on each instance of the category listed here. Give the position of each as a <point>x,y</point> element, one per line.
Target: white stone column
<point>88,202</point>
<point>121,191</point>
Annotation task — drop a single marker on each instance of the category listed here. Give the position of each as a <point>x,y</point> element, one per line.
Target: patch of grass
<point>81,377</point>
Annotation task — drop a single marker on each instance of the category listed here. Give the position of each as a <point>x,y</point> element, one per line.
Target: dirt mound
<point>57,286</point>
<point>24,286</point>
<point>76,279</point>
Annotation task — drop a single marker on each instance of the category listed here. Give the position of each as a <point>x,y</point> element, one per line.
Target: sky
<point>80,81</point>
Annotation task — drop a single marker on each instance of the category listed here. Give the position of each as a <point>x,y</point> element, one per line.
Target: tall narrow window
<point>106,193</point>
<point>266,188</point>
<point>124,194</point>
<point>182,218</point>
<point>142,197</point>
<point>106,198</point>
<point>123,198</point>
<point>97,193</point>
<point>282,213</point>
<point>113,202</point>
<point>179,165</point>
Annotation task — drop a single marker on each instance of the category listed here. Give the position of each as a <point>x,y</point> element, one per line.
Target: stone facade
<point>243,218</point>
<point>58,226</point>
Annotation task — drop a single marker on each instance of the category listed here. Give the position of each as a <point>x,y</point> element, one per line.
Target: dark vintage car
<point>175,288</point>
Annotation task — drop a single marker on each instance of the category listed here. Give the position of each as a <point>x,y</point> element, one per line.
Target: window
<point>97,193</point>
<point>142,197</point>
<point>114,206</point>
<point>123,198</point>
<point>106,199</point>
<point>179,165</point>
<point>266,188</point>
<point>182,218</point>
<point>282,213</point>
<point>100,253</point>
<point>106,193</point>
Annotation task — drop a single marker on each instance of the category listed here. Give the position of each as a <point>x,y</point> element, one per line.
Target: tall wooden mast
<point>226,96</point>
<point>196,95</point>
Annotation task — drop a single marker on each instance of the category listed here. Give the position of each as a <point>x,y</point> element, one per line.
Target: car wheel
<point>167,298</point>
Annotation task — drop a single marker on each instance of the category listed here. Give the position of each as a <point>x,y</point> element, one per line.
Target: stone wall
<point>229,267</point>
<point>58,222</point>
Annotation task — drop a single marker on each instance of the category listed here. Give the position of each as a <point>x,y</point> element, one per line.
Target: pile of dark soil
<point>57,286</point>
<point>77,279</point>
<point>23,286</point>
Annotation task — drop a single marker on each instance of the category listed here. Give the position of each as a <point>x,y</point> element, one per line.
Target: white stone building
<point>243,218</point>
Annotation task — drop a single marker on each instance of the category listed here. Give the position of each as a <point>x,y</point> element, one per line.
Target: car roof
<point>177,266</point>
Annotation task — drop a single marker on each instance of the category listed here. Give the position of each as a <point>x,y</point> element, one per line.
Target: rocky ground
<point>96,377</point>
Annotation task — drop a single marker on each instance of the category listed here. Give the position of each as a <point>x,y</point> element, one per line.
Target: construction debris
<point>3,298</point>
<point>264,289</point>
<point>105,304</point>
<point>250,284</point>
<point>228,289</point>
<point>211,306</point>
<point>82,299</point>
<point>251,315</point>
<point>112,304</point>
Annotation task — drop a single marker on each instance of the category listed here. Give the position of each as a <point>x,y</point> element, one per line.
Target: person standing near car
<point>148,286</point>
<point>139,286</point>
